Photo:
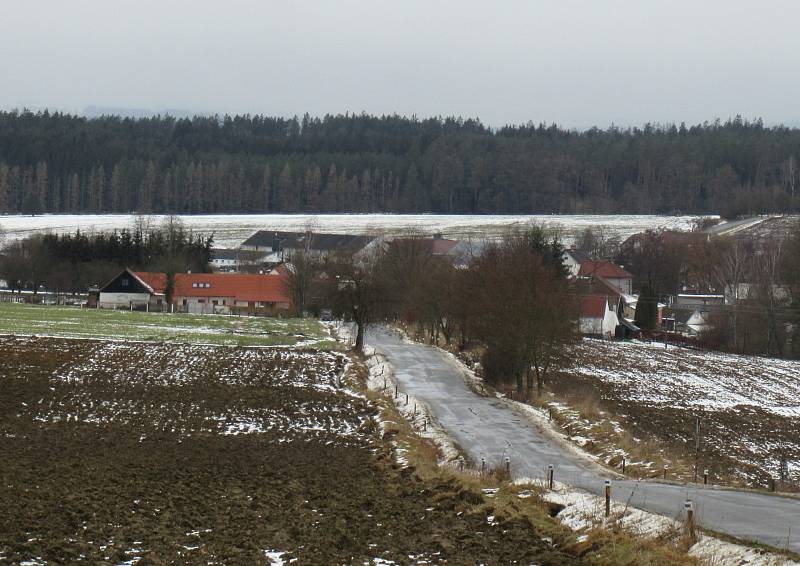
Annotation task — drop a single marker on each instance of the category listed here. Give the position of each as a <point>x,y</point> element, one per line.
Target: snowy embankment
<point>230,230</point>
<point>583,512</point>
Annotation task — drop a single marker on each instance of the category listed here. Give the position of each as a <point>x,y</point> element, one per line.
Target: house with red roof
<point>610,272</point>
<point>198,293</point>
<point>597,318</point>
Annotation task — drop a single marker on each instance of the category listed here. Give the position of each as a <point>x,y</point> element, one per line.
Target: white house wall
<point>122,300</point>
<point>623,284</point>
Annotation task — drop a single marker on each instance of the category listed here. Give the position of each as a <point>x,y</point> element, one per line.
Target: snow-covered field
<point>688,379</point>
<point>748,406</point>
<point>232,230</point>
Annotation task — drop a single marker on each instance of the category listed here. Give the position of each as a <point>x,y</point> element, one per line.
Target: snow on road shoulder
<point>583,512</point>
<point>381,379</point>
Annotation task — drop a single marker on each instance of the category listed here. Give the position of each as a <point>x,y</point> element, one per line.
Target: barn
<point>199,293</point>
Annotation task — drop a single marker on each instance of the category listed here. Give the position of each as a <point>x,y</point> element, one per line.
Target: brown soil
<point>107,456</point>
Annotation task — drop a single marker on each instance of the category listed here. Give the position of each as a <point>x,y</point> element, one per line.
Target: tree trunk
<point>539,382</point>
<point>529,379</point>
<point>359,347</point>
<point>518,377</point>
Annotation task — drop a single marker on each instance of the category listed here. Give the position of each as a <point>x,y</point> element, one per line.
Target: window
<point>125,282</point>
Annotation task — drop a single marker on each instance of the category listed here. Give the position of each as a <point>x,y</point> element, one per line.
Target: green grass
<point>221,330</point>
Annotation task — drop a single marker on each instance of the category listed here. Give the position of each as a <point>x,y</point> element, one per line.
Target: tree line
<point>513,299</point>
<point>61,163</point>
<point>71,263</point>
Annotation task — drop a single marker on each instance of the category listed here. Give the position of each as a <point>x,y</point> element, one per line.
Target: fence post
<point>550,475</point>
<point>665,471</point>
<point>608,497</point>
<point>395,391</point>
<point>690,519</point>
<point>705,477</point>
<point>483,465</point>
<point>623,466</point>
<point>508,466</point>
<point>406,398</point>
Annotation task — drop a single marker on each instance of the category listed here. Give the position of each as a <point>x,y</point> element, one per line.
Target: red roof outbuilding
<point>606,269</point>
<point>593,306</point>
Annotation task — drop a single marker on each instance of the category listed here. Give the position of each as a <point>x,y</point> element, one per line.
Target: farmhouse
<point>457,253</point>
<point>609,271</point>
<point>232,260</point>
<point>596,316</point>
<point>128,291</point>
<point>199,293</point>
<point>573,259</point>
<point>280,246</point>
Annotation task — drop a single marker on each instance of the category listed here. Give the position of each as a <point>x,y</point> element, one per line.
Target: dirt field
<point>649,398</point>
<point>125,453</point>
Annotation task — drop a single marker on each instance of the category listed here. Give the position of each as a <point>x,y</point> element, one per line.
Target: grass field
<point>120,453</point>
<point>222,330</point>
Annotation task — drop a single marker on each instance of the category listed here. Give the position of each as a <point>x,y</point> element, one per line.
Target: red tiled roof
<point>605,269</point>
<point>593,306</point>
<point>238,286</point>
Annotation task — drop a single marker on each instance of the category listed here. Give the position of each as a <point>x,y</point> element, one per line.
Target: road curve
<point>488,428</point>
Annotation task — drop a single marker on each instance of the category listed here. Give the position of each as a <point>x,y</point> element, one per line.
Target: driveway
<point>489,428</point>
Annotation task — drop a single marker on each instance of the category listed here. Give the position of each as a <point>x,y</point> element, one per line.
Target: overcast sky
<point>577,63</point>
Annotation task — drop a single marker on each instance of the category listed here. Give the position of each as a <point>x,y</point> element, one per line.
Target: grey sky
<point>578,63</point>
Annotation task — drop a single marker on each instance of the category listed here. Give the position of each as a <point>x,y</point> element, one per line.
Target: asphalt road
<point>489,428</point>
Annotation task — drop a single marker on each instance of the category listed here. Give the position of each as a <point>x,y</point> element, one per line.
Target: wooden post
<point>508,466</point>
<point>550,413</point>
<point>690,520</point>
<point>415,409</point>
<point>608,497</point>
<point>705,477</point>
<point>665,471</point>
<point>425,423</point>
<point>461,464</point>
<point>395,391</point>
<point>696,447</point>
<point>483,465</point>
<point>623,466</point>
<point>406,398</point>
<point>550,475</point>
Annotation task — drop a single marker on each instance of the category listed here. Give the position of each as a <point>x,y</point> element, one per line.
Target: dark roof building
<point>275,242</point>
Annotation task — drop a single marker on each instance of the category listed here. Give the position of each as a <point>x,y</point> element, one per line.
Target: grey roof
<point>220,253</point>
<point>319,242</point>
